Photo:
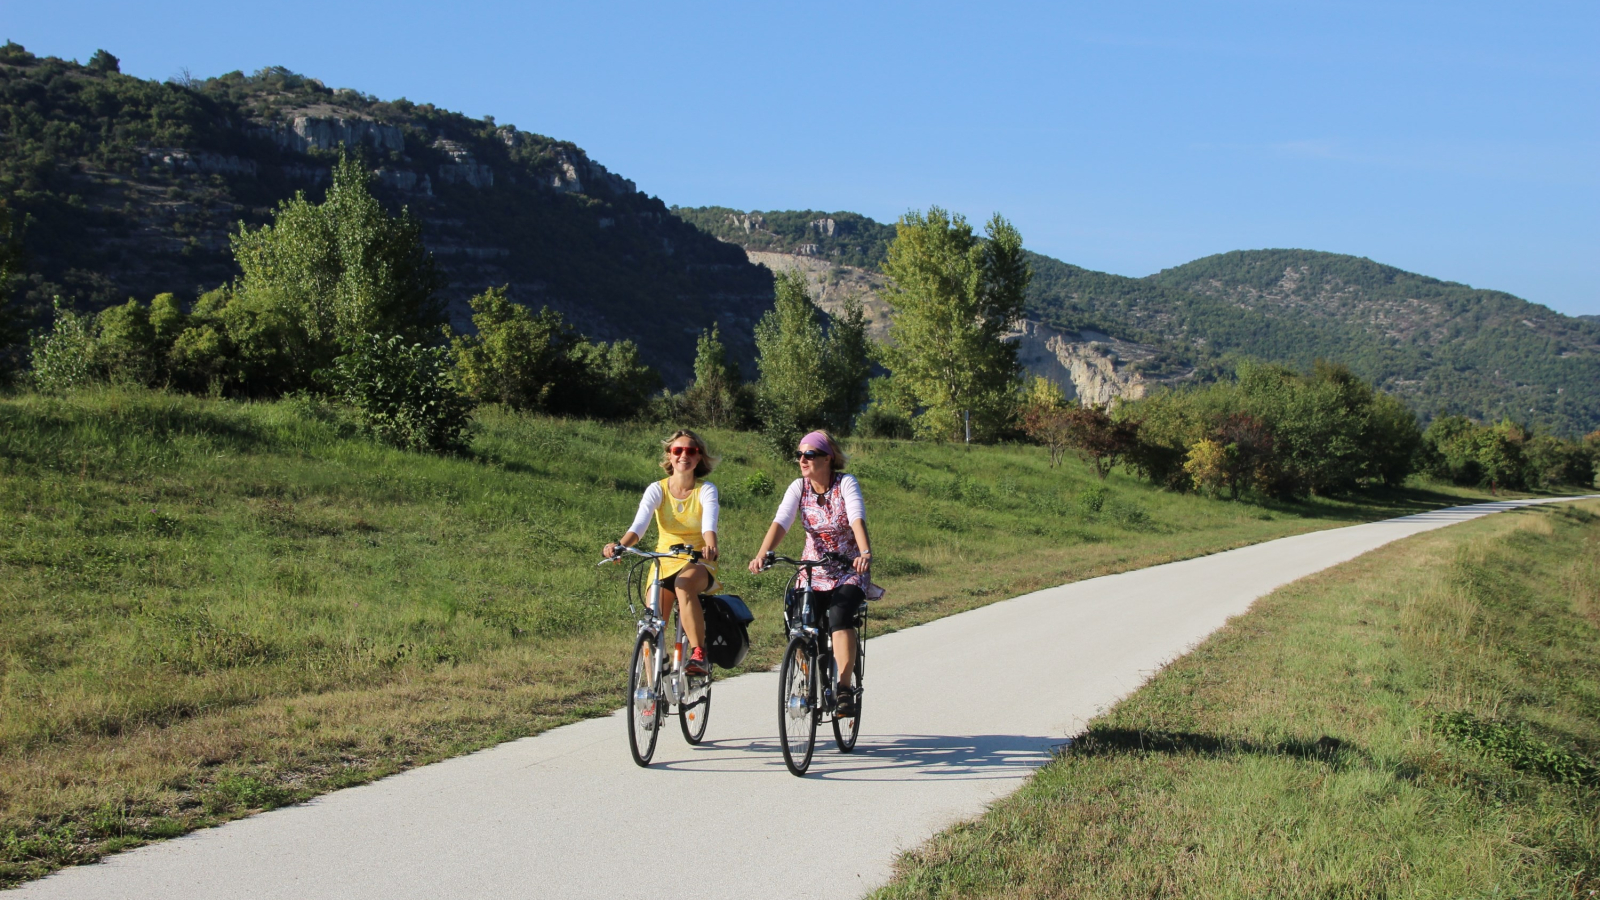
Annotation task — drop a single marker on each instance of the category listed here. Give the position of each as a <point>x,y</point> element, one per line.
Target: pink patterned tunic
<point>828,530</point>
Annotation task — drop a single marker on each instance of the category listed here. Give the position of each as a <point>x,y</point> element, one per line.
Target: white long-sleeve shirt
<point>855,509</point>
<point>654,496</point>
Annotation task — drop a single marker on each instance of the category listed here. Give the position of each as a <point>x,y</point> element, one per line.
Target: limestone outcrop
<point>307,132</point>
<point>179,160</point>
<point>1095,368</point>
<point>575,173</point>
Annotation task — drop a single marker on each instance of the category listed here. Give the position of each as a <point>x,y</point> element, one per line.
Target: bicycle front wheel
<point>644,698</point>
<point>797,708</point>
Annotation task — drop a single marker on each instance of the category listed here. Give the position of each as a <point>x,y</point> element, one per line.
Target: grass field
<point>1423,721</point>
<point>209,608</point>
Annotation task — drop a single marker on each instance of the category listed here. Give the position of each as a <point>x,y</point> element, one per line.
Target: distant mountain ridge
<point>1446,348</point>
<point>131,187</point>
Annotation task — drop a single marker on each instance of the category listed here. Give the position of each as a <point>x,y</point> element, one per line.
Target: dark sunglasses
<point>808,454</point>
<point>680,451</point>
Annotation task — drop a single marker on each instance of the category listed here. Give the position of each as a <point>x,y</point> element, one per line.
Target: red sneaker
<point>698,664</point>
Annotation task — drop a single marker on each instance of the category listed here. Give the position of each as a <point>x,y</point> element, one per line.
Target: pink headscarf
<point>820,441</point>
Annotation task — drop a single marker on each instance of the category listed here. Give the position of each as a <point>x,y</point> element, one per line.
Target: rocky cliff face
<point>326,128</point>
<point>130,215</point>
<point>831,285</point>
<point>1095,368</point>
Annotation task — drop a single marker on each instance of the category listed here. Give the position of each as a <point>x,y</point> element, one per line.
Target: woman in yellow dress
<point>686,511</point>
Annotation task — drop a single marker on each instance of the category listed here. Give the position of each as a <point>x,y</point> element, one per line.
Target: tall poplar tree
<point>954,296</point>
<point>810,376</point>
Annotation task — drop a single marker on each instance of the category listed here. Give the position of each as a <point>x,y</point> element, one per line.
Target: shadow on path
<point>892,757</point>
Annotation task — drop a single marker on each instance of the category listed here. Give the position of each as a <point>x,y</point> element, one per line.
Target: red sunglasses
<point>680,451</point>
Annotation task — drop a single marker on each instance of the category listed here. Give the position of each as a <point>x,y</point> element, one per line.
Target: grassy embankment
<point>208,608</point>
<point>1421,722</point>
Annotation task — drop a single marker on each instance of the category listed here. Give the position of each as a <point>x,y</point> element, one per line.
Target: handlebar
<point>676,551</point>
<point>828,557</point>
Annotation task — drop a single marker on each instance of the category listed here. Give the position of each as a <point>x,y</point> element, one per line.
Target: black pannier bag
<point>727,635</point>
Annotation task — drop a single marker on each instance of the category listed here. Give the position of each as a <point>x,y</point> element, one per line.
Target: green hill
<point>131,187</point>
<point>1447,348</point>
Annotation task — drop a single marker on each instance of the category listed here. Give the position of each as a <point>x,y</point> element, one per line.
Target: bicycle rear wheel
<point>695,712</point>
<point>797,708</point>
<point>845,731</point>
<point>644,699</point>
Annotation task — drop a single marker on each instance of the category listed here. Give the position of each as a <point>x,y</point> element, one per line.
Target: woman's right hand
<point>609,551</point>
<point>758,565</point>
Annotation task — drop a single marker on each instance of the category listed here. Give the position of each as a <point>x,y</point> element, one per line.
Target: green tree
<point>341,269</point>
<point>848,366</point>
<point>518,358</point>
<point>716,397</point>
<point>953,298</point>
<point>125,352</point>
<point>810,377</point>
<point>1392,439</point>
<point>63,357</point>
<point>536,361</point>
<point>614,383</point>
<point>104,63</point>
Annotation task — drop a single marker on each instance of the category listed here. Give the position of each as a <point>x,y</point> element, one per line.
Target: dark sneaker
<point>847,704</point>
<point>698,664</point>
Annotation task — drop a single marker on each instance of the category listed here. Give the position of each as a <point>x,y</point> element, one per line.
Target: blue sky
<point>1460,140</point>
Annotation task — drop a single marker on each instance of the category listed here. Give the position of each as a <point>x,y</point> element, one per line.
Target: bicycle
<point>657,681</point>
<point>808,674</point>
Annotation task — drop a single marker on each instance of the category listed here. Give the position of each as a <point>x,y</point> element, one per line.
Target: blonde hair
<point>836,459</point>
<point>701,468</point>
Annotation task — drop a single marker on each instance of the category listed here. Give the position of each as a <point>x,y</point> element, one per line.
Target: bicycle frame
<point>668,682</point>
<point>819,641</point>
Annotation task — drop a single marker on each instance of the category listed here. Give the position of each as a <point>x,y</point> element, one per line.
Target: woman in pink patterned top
<point>828,503</point>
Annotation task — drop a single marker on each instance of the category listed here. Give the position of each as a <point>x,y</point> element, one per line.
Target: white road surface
<point>958,712</point>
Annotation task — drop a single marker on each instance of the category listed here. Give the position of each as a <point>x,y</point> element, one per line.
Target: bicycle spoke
<point>797,713</point>
<point>644,700</point>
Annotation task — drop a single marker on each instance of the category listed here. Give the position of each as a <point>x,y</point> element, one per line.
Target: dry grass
<point>1420,722</point>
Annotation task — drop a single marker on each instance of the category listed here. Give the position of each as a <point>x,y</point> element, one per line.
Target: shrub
<point>1093,500</point>
<point>1207,465</point>
<point>536,361</point>
<point>404,395</point>
<point>878,421</point>
<point>1095,436</point>
<point>63,357</point>
<point>759,484</point>
<point>125,350</point>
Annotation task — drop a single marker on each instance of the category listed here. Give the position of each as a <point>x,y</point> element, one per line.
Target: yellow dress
<point>678,522</point>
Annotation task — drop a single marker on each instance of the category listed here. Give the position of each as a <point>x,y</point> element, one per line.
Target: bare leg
<point>691,580</point>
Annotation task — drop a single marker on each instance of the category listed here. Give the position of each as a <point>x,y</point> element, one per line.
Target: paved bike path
<point>958,713</point>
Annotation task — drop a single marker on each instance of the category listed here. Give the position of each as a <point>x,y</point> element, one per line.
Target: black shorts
<point>841,607</point>
<point>670,583</point>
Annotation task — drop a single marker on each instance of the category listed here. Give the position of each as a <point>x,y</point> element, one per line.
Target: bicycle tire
<point>693,717</point>
<point>644,704</point>
<point>846,732</point>
<point>797,708</point>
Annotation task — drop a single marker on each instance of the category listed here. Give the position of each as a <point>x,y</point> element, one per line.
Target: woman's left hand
<point>710,552</point>
<point>863,563</point>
